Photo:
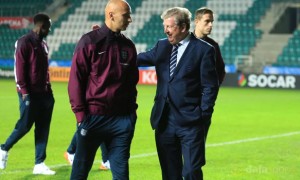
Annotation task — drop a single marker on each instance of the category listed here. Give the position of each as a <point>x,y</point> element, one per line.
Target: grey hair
<point>181,15</point>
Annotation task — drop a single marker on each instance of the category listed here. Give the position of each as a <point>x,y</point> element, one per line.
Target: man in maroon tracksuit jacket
<point>203,26</point>
<point>34,91</point>
<point>102,92</point>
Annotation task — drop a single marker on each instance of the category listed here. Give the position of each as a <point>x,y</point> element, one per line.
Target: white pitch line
<point>154,153</point>
<point>253,139</point>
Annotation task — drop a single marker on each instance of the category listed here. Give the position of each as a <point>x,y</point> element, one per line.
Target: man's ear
<point>111,16</point>
<point>195,21</point>
<point>183,26</point>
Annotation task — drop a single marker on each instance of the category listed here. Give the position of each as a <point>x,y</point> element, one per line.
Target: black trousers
<point>181,150</point>
<point>117,133</point>
<point>73,145</point>
<point>35,109</point>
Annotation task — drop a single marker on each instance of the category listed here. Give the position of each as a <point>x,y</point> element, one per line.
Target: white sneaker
<point>3,158</point>
<point>105,166</point>
<point>42,169</point>
<point>69,157</point>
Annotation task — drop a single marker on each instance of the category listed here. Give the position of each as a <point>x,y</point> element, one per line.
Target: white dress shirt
<point>184,43</point>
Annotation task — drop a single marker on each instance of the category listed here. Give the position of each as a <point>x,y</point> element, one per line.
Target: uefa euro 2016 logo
<point>242,80</point>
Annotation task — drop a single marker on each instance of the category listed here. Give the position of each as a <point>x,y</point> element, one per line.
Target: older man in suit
<point>187,87</point>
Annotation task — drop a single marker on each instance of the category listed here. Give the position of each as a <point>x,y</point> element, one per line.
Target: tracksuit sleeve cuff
<point>79,116</point>
<point>24,91</point>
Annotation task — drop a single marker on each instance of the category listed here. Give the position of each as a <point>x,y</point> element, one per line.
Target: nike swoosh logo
<point>101,52</point>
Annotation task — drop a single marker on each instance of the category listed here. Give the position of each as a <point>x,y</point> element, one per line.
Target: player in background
<point>204,19</point>
<point>34,92</point>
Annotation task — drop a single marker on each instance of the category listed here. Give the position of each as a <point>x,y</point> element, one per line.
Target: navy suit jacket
<point>193,88</point>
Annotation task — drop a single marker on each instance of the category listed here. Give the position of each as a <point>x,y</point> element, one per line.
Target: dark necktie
<point>173,59</point>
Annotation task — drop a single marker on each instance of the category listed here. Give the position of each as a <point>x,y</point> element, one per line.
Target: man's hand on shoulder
<point>95,26</point>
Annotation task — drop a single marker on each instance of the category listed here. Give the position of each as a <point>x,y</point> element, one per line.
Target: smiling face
<point>176,23</point>
<point>174,32</point>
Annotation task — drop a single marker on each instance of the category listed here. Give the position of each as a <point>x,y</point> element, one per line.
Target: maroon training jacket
<point>103,75</point>
<point>31,64</point>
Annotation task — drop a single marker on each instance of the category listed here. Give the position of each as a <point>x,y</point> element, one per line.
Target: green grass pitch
<point>255,134</point>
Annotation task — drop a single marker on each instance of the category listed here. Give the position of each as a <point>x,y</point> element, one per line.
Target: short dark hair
<point>41,18</point>
<point>201,11</point>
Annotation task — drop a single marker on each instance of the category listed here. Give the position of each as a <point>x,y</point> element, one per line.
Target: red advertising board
<point>62,74</point>
<point>147,77</point>
<point>16,22</point>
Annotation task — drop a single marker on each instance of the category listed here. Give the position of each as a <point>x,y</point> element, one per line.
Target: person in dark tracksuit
<point>102,92</point>
<point>34,92</point>
<point>203,26</point>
